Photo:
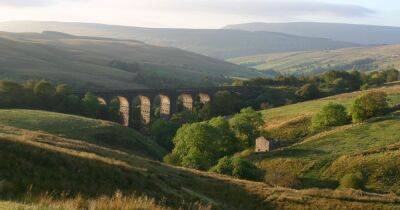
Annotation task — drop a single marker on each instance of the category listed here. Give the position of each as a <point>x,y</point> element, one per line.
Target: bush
<point>330,115</point>
<point>163,131</point>
<point>354,181</point>
<point>237,167</point>
<point>369,105</point>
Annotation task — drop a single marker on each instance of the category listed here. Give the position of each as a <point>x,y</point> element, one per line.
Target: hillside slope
<point>323,159</point>
<point>364,59</point>
<point>362,34</point>
<point>211,42</point>
<point>86,61</point>
<point>53,163</point>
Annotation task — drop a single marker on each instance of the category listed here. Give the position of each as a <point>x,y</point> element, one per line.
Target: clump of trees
<point>369,105</point>
<point>331,115</point>
<point>237,167</point>
<point>43,95</point>
<point>364,107</point>
<point>201,145</point>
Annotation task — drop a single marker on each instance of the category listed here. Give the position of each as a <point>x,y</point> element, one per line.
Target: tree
<point>237,167</point>
<point>163,132</point>
<point>63,90</point>
<point>227,142</point>
<point>247,126</point>
<point>45,91</point>
<point>369,105</point>
<point>91,104</point>
<point>330,115</point>
<point>225,103</point>
<point>392,75</point>
<point>11,94</point>
<point>195,146</point>
<point>308,92</point>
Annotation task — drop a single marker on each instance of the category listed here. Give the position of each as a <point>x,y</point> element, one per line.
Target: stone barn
<point>263,145</point>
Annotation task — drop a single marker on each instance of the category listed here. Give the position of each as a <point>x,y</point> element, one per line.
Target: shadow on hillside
<point>288,153</point>
<point>59,172</point>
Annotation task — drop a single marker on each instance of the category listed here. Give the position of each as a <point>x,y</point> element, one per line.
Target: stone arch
<point>165,105</point>
<point>187,101</point>
<point>204,98</point>
<point>124,110</point>
<point>102,101</point>
<point>145,109</point>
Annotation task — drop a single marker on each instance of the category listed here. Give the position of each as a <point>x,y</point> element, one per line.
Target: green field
<point>366,58</point>
<point>322,159</point>
<point>45,153</point>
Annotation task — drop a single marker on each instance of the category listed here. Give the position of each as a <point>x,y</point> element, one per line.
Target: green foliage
<point>247,125</point>
<point>11,94</point>
<point>163,131</point>
<point>331,114</point>
<point>353,180</point>
<point>308,92</point>
<point>369,105</point>
<point>228,143</point>
<point>196,146</point>
<point>237,167</point>
<point>225,103</point>
<point>290,132</point>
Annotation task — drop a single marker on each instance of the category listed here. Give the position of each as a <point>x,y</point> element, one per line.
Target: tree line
<point>43,95</point>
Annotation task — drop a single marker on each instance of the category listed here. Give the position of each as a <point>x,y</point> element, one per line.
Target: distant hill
<point>104,63</point>
<point>211,42</point>
<point>361,34</point>
<point>364,59</point>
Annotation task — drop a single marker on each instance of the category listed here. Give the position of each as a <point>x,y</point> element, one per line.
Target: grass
<point>45,168</point>
<point>93,131</point>
<point>377,57</point>
<point>322,159</point>
<point>276,116</point>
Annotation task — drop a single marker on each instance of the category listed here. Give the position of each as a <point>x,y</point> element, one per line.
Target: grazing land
<point>39,158</point>
<point>363,58</point>
<point>321,160</point>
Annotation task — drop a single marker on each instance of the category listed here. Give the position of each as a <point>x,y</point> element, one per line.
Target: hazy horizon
<point>201,13</point>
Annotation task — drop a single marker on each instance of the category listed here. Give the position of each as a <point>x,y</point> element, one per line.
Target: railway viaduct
<point>168,99</point>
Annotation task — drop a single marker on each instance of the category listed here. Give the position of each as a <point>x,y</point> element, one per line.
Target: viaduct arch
<point>168,100</point>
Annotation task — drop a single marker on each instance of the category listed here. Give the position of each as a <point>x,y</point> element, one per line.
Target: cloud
<point>32,3</point>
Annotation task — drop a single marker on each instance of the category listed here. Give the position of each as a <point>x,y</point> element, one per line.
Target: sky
<point>202,13</point>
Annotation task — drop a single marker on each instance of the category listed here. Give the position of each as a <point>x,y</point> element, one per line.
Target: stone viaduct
<point>168,99</point>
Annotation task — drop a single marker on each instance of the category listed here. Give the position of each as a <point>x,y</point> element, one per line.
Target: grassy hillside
<point>50,160</point>
<point>86,61</point>
<point>322,159</point>
<point>362,34</point>
<point>366,58</point>
<point>216,43</point>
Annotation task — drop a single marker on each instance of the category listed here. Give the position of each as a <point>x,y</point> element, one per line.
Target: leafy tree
<point>91,105</point>
<point>184,117</point>
<point>369,105</point>
<point>225,103</point>
<point>195,146</point>
<point>308,92</point>
<point>227,142</point>
<point>45,91</point>
<point>236,167</point>
<point>247,125</point>
<point>392,75</point>
<point>11,94</point>
<point>163,131</point>
<point>63,90</point>
<point>330,115</point>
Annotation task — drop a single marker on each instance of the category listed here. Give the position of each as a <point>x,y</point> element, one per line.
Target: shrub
<point>163,131</point>
<point>369,105</point>
<point>247,125</point>
<point>354,181</point>
<point>330,115</point>
<point>237,167</point>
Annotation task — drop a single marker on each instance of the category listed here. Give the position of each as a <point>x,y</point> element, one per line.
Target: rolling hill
<point>87,62</point>
<point>362,58</point>
<point>62,169</point>
<point>322,159</point>
<point>216,43</point>
<point>361,34</point>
